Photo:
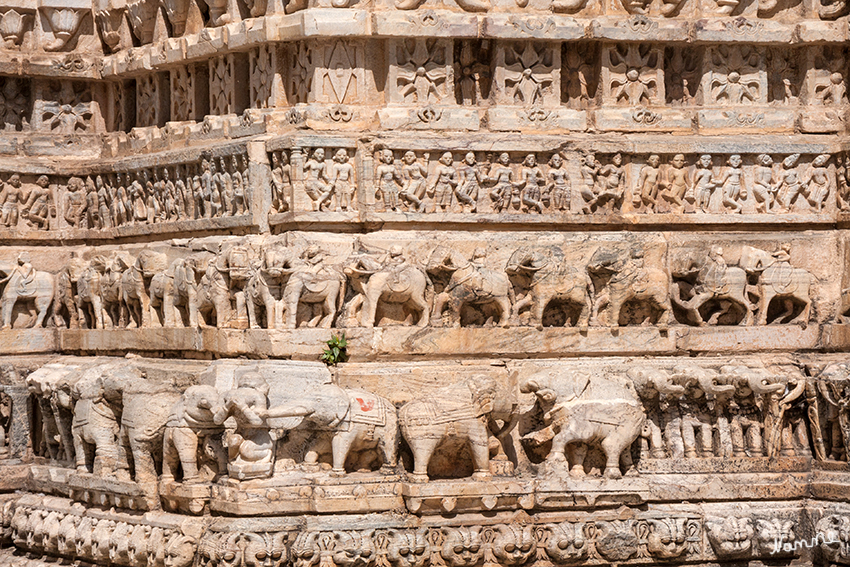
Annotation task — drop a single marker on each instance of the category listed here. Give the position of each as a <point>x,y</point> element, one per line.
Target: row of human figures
<point>211,188</point>
<point>112,420</point>
<point>504,185</point>
<point>281,287</point>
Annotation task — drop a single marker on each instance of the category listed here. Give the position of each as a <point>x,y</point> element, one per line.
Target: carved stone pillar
<point>229,79</point>
<point>266,80</point>
<point>152,100</point>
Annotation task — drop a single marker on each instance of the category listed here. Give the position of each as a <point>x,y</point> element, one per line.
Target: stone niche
<point>424,283</point>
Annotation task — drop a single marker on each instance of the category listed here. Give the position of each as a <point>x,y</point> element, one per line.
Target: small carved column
<point>259,184</point>
<point>186,103</point>
<point>365,164</point>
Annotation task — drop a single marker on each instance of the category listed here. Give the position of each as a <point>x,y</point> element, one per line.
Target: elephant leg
<point>253,322</point>
<point>586,310</point>
<point>505,315</point>
<point>764,304</point>
<point>340,446</point>
<point>185,442</point>
<point>170,457</point>
<point>439,304</point>
<point>666,317</point>
<point>292,297</point>
<point>241,310</point>
<point>537,310</point>
<point>369,308</point>
<point>97,311</point>
<point>388,446</point>
<point>520,305</point>
<point>612,447</point>
<point>106,451</point>
<point>169,310</point>
<point>422,449</point>
<point>42,304</point>
<point>577,452</point>
<point>614,308</point>
<point>803,318</point>
<point>80,451</point>
<point>271,319</point>
<point>559,445</point>
<point>601,299</point>
<point>145,467</point>
<point>480,450</point>
<point>7,307</point>
<point>145,309</point>
<point>329,311</point>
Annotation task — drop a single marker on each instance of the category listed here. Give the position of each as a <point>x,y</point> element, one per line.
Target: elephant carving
<point>135,283</point>
<point>465,410</point>
<point>25,282</point>
<point>578,411</point>
<point>344,420</point>
<point>95,427</point>
<point>195,417</point>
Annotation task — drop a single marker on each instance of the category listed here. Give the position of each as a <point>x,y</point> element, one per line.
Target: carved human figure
<point>677,184</point>
<point>704,183</point>
<point>443,187</point>
<point>75,202</point>
<point>316,182</point>
<point>764,187</point>
<point>612,178</point>
<point>415,176</point>
<point>469,181</point>
<point>240,202</point>
<point>11,198</point>
<point>731,183</point>
<point>531,179</point>
<point>389,181</point>
<point>558,187</point>
<point>281,182</point>
<point>228,203</point>
<point>119,202</point>
<point>817,184</point>
<point>342,179</point>
<point>502,176</point>
<point>104,200</point>
<point>589,173</point>
<point>789,186</point>
<point>37,207</point>
<point>842,178</point>
<point>649,182</point>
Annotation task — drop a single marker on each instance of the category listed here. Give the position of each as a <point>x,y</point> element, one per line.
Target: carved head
<point>821,160</point>
<point>446,158</point>
<point>617,159</point>
<point>790,161</point>
<point>341,156</point>
<point>530,160</point>
<point>504,158</point>
<point>731,536</point>
<point>409,158</point>
<point>566,543</point>
<point>180,551</point>
<point>678,161</point>
<point>305,550</point>
<point>514,544</point>
<point>555,161</point>
<point>768,532</point>
<point>836,537</point>
<point>264,549</point>
<point>735,160</point>
<point>462,546</point>
<point>353,549</point>
<point>202,403</point>
<point>319,154</point>
<point>42,181</point>
<point>409,548</point>
<point>469,158</point>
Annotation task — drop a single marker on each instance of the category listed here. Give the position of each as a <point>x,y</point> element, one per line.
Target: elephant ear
<point>285,422</point>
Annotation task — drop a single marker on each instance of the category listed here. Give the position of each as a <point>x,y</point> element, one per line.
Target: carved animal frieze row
<point>255,284</point>
<point>111,421</point>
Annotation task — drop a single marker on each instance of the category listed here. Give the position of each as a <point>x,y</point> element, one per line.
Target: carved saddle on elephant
<point>483,282</point>
<point>781,277</point>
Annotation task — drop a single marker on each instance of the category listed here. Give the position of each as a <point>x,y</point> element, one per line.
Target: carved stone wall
<point>424,283</point>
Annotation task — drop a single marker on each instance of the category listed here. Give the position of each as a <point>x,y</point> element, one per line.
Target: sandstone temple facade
<point>580,270</point>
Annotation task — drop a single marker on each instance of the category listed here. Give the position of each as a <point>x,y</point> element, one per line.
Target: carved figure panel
<point>527,74</point>
<point>632,74</point>
<point>421,72</point>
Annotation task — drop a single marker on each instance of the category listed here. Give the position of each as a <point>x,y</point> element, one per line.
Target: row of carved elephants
<point>276,287</point>
<point>111,421</point>
<point>652,536</point>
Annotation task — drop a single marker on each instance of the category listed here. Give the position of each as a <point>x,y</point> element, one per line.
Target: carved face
<point>265,550</point>
<point>770,531</point>
<point>462,547</point>
<point>305,550</point>
<point>556,161</point>
<point>504,159</point>
<point>731,537</point>
<point>353,549</point>
<point>654,160</point>
<point>408,548</point>
<point>180,551</point>
<point>678,161</point>
<point>836,537</point>
<point>735,161</point>
<point>566,543</point>
<point>617,160</point>
<point>705,160</point>
<point>514,544</point>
